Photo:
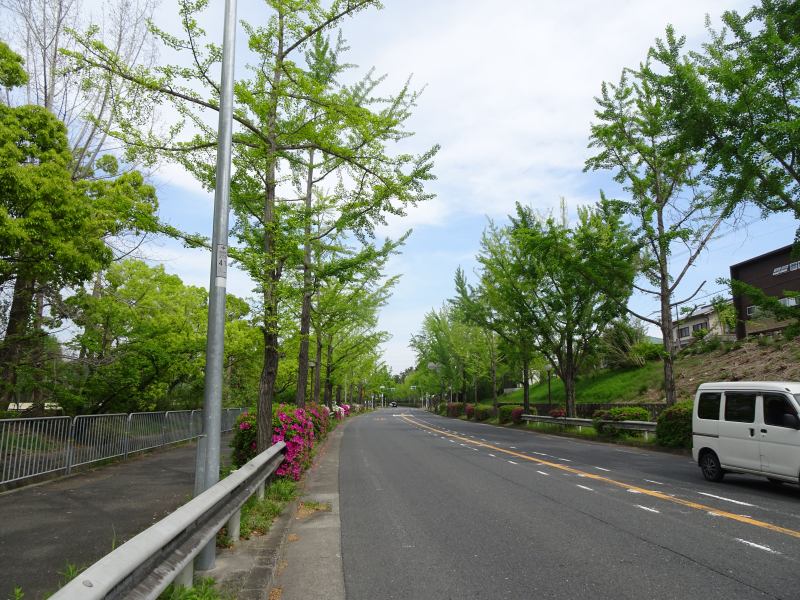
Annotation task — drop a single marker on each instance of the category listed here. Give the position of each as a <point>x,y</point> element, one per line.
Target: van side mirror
<point>791,421</point>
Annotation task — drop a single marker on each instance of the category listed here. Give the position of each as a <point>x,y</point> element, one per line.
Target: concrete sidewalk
<point>80,518</point>
<point>314,555</point>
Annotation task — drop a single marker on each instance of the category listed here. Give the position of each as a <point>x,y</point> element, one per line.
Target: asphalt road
<point>437,508</point>
<point>78,519</point>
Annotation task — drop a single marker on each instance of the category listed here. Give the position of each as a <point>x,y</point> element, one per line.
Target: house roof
<point>763,256</point>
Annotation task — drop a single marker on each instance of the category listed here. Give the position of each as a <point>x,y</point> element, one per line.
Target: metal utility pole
<point>215,343</point>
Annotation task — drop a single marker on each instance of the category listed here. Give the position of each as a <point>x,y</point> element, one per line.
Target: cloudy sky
<point>509,89</point>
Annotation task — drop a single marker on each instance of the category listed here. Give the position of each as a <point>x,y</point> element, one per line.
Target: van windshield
<point>797,397</point>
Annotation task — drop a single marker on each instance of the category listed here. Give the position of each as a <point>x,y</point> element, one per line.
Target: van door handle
<point>752,431</point>
<point>763,431</point>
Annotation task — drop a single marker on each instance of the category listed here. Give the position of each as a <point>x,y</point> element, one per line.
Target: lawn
<point>617,385</point>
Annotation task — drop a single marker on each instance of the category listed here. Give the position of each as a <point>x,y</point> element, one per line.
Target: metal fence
<point>30,447</point>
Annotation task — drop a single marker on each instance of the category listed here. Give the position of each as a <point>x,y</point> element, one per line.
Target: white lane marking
<point>493,456</point>
<point>602,469</point>
<point>565,459</point>
<point>462,444</point>
<point>543,473</point>
<point>646,508</point>
<point>759,546</point>
<point>585,488</point>
<point>651,481</point>
<point>713,514</point>
<point>540,454</point>
<point>513,447</point>
<point>512,462</point>
<point>634,491</point>
<point>483,440</point>
<point>726,499</point>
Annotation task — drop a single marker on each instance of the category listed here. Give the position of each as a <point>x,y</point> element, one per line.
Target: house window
<point>751,310</point>
<point>788,301</point>
<point>683,332</point>
<point>699,326</point>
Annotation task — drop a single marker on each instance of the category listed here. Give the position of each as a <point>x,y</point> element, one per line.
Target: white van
<point>747,427</point>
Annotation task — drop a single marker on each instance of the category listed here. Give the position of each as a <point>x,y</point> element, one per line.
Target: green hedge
<point>507,414</point>
<point>633,413</point>
<point>455,409</point>
<point>674,425</point>
<point>440,408</point>
<point>483,412</point>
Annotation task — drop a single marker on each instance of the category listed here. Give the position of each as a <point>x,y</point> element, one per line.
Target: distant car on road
<point>393,404</point>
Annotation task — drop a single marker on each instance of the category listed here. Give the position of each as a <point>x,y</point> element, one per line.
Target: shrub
<point>483,412</point>
<point>299,428</point>
<point>674,425</point>
<point>558,412</point>
<point>441,408</point>
<point>506,413</point>
<point>634,413</point>
<point>470,410</point>
<point>516,414</point>
<point>455,409</point>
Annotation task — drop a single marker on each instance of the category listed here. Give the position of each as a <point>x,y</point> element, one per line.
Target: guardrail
<point>144,566</point>
<point>31,447</point>
<point>647,427</point>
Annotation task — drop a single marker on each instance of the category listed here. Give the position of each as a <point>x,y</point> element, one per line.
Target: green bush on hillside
<point>674,426</point>
<point>440,408</point>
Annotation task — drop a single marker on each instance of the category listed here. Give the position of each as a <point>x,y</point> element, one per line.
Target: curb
<point>660,449</point>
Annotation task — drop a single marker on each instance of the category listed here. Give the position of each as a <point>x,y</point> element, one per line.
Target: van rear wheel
<point>774,481</point>
<point>711,468</point>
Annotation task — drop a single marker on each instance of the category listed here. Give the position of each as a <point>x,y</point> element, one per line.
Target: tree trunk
<point>526,388</point>
<point>360,399</point>
<point>305,312</point>
<point>494,380</point>
<point>567,373</point>
<point>669,361</point>
<point>328,380</point>
<point>318,372</point>
<point>16,333</point>
<point>475,384</point>
<point>37,410</point>
<point>339,394</point>
<point>266,391</point>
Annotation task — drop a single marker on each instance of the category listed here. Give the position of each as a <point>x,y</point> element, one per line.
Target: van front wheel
<point>711,468</point>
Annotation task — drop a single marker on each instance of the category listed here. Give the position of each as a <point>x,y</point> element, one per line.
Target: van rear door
<point>738,444</point>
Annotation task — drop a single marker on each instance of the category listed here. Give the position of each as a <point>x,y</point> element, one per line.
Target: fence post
<point>127,437</point>
<point>191,424</point>
<point>70,445</point>
<point>164,431</point>
<point>185,577</point>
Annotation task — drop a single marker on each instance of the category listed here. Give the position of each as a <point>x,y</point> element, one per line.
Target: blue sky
<point>509,89</point>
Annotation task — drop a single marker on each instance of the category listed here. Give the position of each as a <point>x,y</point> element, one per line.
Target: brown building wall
<point>760,272</point>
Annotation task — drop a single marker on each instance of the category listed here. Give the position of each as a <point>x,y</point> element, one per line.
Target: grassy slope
<point>746,362</point>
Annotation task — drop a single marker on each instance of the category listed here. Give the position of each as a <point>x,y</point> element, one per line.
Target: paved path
<point>437,508</point>
<point>78,519</point>
<point>314,555</point>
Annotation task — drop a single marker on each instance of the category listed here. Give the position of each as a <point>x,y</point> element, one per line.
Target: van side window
<point>740,407</point>
<point>775,406</point>
<point>708,406</point>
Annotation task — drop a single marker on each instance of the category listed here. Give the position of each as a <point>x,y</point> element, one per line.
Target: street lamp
<point>548,368</point>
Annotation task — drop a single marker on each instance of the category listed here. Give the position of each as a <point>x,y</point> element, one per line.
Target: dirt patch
<point>294,537</point>
<point>309,508</point>
<point>752,361</point>
<point>282,566</point>
<point>275,593</point>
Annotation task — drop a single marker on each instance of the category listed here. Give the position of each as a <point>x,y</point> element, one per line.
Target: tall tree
<point>671,214</point>
<point>280,111</point>
<point>737,103</point>
<point>569,313</point>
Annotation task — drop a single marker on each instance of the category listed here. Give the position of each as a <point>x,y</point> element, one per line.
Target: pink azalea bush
<point>299,428</point>
<point>558,412</point>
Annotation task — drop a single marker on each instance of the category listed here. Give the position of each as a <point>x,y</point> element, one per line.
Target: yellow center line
<point>688,503</point>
